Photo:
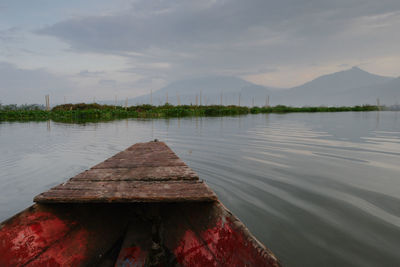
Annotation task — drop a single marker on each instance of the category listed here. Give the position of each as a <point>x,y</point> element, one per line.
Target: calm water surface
<point>318,189</point>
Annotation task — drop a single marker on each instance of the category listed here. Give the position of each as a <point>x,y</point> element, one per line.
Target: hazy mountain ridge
<point>350,87</point>
<point>211,88</point>
<point>342,81</point>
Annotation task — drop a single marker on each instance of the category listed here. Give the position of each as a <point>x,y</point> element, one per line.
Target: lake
<point>316,188</point>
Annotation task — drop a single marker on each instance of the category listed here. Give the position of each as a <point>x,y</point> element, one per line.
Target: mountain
<point>335,89</point>
<point>350,87</point>
<point>210,88</point>
<point>342,81</point>
<point>208,85</point>
<point>388,93</point>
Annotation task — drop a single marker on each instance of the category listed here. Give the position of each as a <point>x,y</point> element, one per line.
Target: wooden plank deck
<point>145,172</point>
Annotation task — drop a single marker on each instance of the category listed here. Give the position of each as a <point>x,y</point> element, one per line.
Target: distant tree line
<point>23,107</point>
<point>95,112</point>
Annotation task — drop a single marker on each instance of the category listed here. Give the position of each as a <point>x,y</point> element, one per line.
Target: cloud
<point>108,82</point>
<point>87,73</point>
<point>8,35</point>
<point>21,85</point>
<point>29,86</point>
<point>234,36</point>
<point>176,24</point>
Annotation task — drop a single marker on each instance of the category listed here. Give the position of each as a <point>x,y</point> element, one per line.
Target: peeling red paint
<point>27,236</point>
<point>193,252</point>
<point>219,245</point>
<point>229,246</point>
<point>70,251</point>
<point>131,257</point>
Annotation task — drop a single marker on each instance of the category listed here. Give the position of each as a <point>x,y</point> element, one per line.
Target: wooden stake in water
<point>166,98</point>
<point>267,101</point>
<point>47,98</point>
<point>197,100</point>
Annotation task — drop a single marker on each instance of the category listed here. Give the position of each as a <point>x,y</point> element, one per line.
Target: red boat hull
<point>152,234</point>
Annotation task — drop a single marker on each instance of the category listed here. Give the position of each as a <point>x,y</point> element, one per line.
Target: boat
<point>142,207</point>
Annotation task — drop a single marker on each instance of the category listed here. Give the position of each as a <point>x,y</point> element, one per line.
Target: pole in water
<point>200,97</point>
<point>166,98</point>
<point>47,98</point>
<point>151,97</point>
<point>267,101</point>
<point>197,100</point>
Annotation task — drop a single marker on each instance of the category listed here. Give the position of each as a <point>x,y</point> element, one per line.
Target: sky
<point>97,49</point>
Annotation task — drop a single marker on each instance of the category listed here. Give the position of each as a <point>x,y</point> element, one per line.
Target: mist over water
<point>317,189</point>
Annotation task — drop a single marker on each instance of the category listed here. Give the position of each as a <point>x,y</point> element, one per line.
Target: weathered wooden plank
<point>134,163</point>
<point>128,192</point>
<point>124,185</point>
<point>140,173</point>
<point>145,172</point>
<point>149,154</point>
<point>144,154</point>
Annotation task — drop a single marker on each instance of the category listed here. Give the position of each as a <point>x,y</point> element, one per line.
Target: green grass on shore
<point>95,112</point>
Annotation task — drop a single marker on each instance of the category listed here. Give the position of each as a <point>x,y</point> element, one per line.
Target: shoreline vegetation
<point>95,112</point>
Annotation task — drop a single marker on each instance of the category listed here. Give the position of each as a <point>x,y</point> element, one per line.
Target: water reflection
<point>318,189</point>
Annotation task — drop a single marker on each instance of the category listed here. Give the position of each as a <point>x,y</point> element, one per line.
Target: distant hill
<point>341,81</point>
<point>335,89</point>
<point>350,87</point>
<point>210,88</point>
<point>387,92</point>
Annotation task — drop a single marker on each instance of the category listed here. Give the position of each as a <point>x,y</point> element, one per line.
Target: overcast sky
<point>98,48</point>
